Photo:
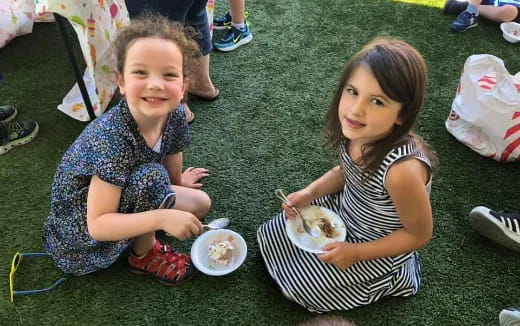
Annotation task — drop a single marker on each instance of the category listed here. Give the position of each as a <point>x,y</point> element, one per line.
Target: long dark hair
<point>401,73</point>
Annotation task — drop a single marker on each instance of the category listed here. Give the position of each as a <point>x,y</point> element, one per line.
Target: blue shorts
<point>187,12</point>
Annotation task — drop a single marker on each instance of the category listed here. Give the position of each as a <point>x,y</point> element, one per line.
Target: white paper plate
<point>200,252</point>
<point>304,241</point>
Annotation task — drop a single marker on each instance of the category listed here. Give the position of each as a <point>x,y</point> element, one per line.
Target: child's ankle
<point>472,9</point>
<point>141,254</point>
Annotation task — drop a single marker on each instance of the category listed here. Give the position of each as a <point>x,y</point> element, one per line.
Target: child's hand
<point>297,199</point>
<point>341,254</point>
<point>180,224</point>
<point>191,177</point>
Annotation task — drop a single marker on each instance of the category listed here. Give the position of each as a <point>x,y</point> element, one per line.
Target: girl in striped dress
<point>380,189</point>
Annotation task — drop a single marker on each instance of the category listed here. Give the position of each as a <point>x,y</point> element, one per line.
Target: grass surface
<point>263,133</point>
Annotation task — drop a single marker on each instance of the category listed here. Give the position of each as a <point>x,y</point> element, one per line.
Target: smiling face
<point>366,113</point>
<point>152,79</point>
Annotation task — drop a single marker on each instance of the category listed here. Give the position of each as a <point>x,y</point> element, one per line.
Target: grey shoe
<point>509,317</point>
<point>500,227</point>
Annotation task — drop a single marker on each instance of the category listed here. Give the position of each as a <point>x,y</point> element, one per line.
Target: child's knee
<point>508,13</point>
<point>203,204</point>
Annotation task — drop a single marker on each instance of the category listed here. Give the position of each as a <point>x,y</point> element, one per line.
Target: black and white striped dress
<point>369,214</point>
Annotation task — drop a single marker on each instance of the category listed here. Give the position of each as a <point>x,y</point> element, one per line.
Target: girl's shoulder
<point>410,149</point>
<point>405,161</point>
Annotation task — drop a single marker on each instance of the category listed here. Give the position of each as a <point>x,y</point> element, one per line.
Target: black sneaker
<point>17,134</point>
<point>455,7</point>
<point>222,23</point>
<point>500,227</point>
<point>7,113</point>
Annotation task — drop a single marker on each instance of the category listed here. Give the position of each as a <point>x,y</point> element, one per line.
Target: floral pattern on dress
<point>111,148</point>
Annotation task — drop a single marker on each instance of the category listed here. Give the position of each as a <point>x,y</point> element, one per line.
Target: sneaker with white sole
<point>500,227</point>
<point>509,317</point>
<point>16,134</point>
<point>234,38</point>
<point>464,21</point>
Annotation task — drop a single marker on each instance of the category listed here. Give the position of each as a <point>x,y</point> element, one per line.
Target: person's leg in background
<point>468,18</point>
<point>193,13</point>
<point>236,21</point>
<point>136,7</point>
<point>470,11</point>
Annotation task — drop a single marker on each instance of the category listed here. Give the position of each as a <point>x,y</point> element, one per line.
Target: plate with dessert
<point>330,225</point>
<point>218,252</point>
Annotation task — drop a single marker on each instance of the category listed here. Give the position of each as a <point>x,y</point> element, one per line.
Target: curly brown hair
<point>153,25</point>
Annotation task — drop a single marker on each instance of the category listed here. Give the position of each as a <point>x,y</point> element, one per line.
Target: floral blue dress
<point>111,148</point>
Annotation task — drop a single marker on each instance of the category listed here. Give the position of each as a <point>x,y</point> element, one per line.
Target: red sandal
<point>164,264</point>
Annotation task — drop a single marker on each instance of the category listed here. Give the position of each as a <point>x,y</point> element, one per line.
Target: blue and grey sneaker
<point>16,134</point>
<point>509,317</point>
<point>500,227</point>
<point>464,21</point>
<point>234,38</point>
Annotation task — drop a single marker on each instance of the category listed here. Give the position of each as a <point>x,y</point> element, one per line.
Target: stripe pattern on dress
<point>369,214</point>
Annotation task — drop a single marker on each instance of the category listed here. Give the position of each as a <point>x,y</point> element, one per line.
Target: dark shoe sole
<point>492,229</point>
<point>203,98</point>
<point>178,283</point>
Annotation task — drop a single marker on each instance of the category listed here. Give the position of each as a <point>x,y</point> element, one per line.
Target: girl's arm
<point>331,182</point>
<point>405,183</point>
<point>190,178</point>
<point>106,224</point>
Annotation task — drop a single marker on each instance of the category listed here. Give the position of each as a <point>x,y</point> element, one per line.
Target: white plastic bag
<point>485,114</point>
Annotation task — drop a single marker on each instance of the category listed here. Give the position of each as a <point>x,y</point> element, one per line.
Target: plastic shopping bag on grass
<point>485,114</point>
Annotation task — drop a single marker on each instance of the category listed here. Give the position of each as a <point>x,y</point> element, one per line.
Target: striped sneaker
<point>16,134</point>
<point>509,317</point>
<point>500,227</point>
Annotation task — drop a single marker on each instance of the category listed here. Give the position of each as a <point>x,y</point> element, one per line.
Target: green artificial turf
<point>265,132</point>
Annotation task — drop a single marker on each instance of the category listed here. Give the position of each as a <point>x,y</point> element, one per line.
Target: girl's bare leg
<point>505,13</point>
<point>192,200</point>
<point>237,9</point>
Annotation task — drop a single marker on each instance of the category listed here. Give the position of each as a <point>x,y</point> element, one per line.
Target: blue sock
<point>472,9</point>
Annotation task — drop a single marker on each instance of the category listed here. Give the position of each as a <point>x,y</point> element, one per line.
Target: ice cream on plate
<point>321,220</point>
<point>221,252</point>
